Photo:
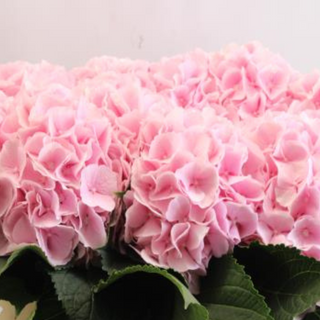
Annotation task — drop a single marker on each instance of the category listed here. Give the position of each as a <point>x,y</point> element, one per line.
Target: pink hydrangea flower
<point>210,149</point>
<point>199,181</point>
<point>305,233</point>
<point>58,243</point>
<point>98,185</point>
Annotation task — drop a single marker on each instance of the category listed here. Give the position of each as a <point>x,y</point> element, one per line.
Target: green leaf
<point>112,260</point>
<point>15,291</point>
<point>145,292</point>
<point>315,315</point>
<point>5,263</point>
<point>22,276</point>
<point>49,307</point>
<point>289,281</point>
<point>228,293</point>
<point>137,292</point>
<point>74,290</point>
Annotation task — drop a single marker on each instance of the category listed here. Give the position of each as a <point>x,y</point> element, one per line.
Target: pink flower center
<point>306,233</point>
<point>195,184</point>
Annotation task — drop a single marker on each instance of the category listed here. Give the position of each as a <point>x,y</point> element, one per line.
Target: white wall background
<point>70,32</point>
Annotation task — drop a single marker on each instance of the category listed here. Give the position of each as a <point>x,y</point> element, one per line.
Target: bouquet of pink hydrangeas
<point>185,189</point>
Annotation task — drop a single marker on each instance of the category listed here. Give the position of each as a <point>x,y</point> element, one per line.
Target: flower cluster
<point>210,150</point>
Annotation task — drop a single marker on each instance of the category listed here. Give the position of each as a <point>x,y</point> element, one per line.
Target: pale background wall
<point>69,32</point>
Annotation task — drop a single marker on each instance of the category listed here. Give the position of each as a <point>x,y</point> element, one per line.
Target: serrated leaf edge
<point>115,275</point>
<point>250,283</point>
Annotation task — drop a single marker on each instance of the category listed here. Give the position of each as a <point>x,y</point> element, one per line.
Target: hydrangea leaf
<point>15,290</point>
<point>228,293</point>
<point>49,307</point>
<point>146,292</point>
<point>22,276</point>
<point>289,281</point>
<point>24,279</point>
<point>112,260</point>
<point>5,263</point>
<point>74,290</point>
<point>315,315</point>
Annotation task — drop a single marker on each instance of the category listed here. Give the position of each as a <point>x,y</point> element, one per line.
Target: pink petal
<point>179,234</point>
<point>98,185</point>
<point>219,243</point>
<point>249,188</point>
<point>233,160</point>
<point>273,80</point>
<point>67,200</point>
<point>231,79</point>
<point>43,208</point>
<point>151,228</point>
<point>35,143</point>
<point>7,194</point>
<point>306,233</point>
<point>265,232</point>
<point>164,146</point>
<point>17,226</point>
<point>136,215</point>
<point>58,243</point>
<point>306,203</point>
<point>166,187</point>
<point>51,156</point>
<point>244,221</point>
<point>91,230</point>
<point>12,158</point>
<point>178,209</point>
<point>181,261</point>
<point>196,236</point>
<point>31,176</point>
<point>200,182</point>
<point>61,119</point>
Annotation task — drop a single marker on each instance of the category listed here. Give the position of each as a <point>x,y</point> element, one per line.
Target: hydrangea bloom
<point>210,150</point>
